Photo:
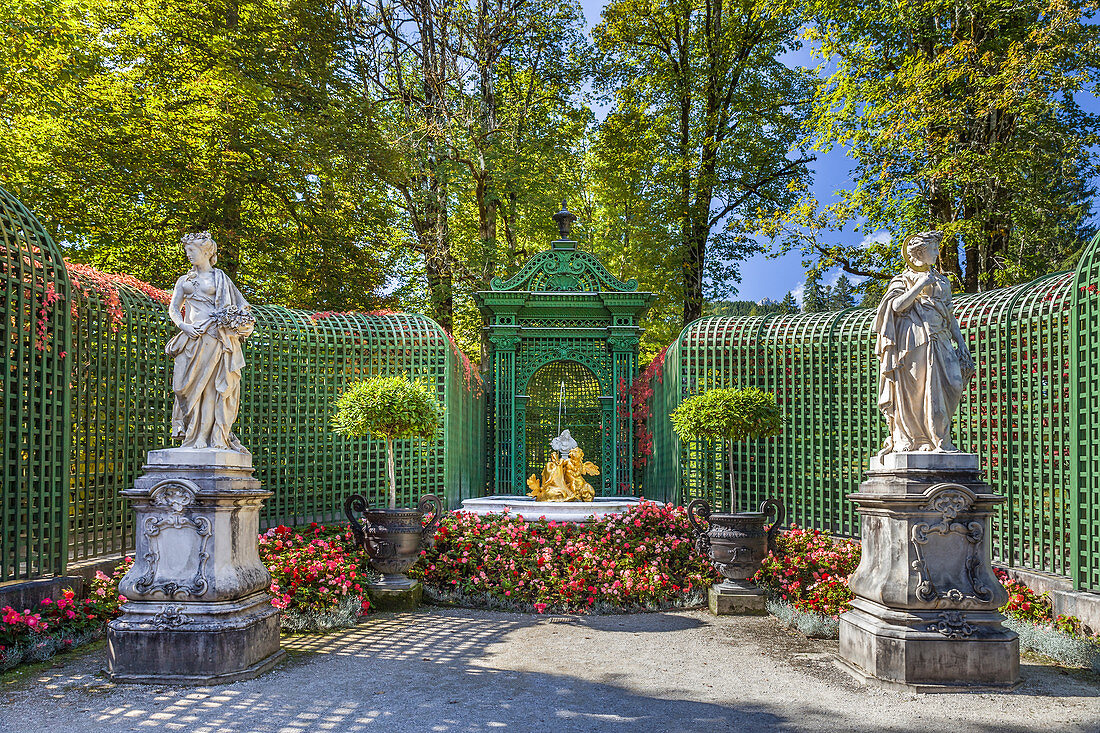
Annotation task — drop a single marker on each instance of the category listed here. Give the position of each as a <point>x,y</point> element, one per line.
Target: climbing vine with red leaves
<point>87,280</point>
<point>641,407</point>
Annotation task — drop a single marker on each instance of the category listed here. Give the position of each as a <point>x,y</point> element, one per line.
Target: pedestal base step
<point>725,600</point>
<point>255,670</point>
<point>193,643</point>
<point>965,658</point>
<point>395,599</point>
<point>863,677</point>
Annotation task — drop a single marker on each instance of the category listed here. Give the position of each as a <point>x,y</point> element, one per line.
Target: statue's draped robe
<point>920,379</point>
<point>208,369</point>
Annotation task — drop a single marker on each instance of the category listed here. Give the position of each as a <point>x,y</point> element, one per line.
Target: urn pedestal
<point>925,611</point>
<point>197,609</point>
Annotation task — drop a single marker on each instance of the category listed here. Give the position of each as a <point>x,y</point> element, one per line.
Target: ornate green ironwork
<point>562,317</point>
<point>35,397</point>
<point>1032,414</point>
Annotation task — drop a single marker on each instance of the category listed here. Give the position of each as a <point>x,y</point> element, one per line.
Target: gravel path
<point>461,670</point>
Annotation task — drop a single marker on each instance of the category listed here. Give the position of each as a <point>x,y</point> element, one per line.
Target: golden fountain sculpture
<point>563,478</point>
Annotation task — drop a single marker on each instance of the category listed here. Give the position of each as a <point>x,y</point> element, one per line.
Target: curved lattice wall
<point>297,363</point>
<point>1032,414</point>
<point>61,498</point>
<point>33,395</point>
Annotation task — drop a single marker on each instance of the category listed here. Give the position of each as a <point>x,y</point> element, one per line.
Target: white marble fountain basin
<point>554,511</point>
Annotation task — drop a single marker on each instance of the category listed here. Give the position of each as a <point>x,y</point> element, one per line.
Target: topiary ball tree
<point>728,415</point>
<point>392,408</point>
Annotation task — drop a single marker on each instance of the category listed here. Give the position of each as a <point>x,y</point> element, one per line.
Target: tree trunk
<point>391,473</point>
<point>940,212</point>
<point>440,290</point>
<point>692,267</point>
<point>733,491</point>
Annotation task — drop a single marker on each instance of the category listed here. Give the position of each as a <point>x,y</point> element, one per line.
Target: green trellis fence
<point>69,452</point>
<point>1032,414</point>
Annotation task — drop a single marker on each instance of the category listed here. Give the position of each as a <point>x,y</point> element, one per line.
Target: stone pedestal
<point>736,599</point>
<point>384,598</point>
<point>925,613</point>
<point>198,610</point>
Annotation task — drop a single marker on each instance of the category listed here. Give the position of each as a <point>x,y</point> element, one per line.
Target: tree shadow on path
<point>430,671</point>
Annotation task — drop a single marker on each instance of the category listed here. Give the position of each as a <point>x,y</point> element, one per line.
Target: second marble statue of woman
<point>924,362</point>
<point>212,317</point>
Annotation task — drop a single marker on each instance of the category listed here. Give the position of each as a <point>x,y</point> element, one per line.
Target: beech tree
<point>129,123</point>
<point>705,75</point>
<point>960,117</point>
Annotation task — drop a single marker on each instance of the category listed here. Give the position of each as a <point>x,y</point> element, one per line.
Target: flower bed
<point>644,559</point>
<point>56,625</point>
<point>808,588</point>
<point>315,576</point>
<point>811,572</point>
<point>1031,615</point>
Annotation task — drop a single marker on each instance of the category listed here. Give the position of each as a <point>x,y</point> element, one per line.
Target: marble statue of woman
<point>921,373</point>
<point>212,317</point>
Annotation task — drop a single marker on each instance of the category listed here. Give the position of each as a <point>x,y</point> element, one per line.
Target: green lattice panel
<point>296,365</point>
<point>1031,415</point>
<point>568,388</point>
<point>36,334</point>
<point>1084,407</point>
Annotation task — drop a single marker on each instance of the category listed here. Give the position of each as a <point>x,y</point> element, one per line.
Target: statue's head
<point>200,243</point>
<point>576,454</point>
<point>921,250</point>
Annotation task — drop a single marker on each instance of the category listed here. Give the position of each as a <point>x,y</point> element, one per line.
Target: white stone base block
<point>731,600</point>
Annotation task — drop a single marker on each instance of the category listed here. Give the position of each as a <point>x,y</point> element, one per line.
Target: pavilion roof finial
<point>565,219</point>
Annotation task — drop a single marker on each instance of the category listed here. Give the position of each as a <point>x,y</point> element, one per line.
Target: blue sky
<point>771,277</point>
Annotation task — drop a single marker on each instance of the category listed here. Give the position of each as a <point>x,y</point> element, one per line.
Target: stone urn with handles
<point>736,545</point>
<point>392,537</point>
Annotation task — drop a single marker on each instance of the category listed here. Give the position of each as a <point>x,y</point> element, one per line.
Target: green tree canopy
<point>728,415</point>
<point>721,115</point>
<point>177,115</point>
<point>958,116</point>
<point>391,408</point>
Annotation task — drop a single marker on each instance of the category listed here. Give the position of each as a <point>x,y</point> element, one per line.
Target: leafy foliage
<point>960,117</point>
<point>131,121</point>
<point>811,624</point>
<point>810,571</point>
<point>60,624</point>
<point>728,414</point>
<point>367,153</point>
<point>1065,647</point>
<point>315,576</point>
<point>719,117</point>
<point>387,407</point>
<point>391,408</point>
